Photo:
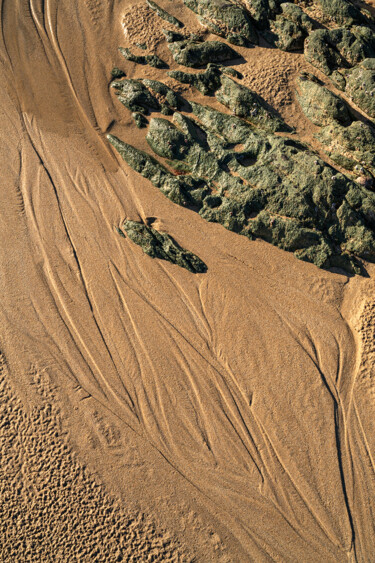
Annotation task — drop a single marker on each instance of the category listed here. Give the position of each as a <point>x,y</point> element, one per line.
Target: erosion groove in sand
<point>241,398</point>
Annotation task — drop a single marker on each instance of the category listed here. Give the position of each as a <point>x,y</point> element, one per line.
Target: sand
<point>149,414</point>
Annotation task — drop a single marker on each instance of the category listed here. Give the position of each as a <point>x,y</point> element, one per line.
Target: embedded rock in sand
<point>273,188</point>
<point>331,49</point>
<point>243,102</point>
<point>164,14</point>
<point>226,19</point>
<point>152,60</point>
<point>348,143</point>
<point>193,53</point>
<point>206,82</point>
<point>360,85</point>
<point>290,28</point>
<point>319,104</point>
<point>351,147</point>
<point>342,12</point>
<point>161,245</point>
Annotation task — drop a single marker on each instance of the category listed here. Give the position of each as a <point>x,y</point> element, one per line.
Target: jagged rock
<point>166,97</point>
<point>161,245</point>
<point>350,146</point>
<point>172,36</point>
<point>246,103</point>
<point>195,54</point>
<point>270,187</point>
<point>206,82</point>
<point>152,60</point>
<point>225,18</point>
<point>331,49</point>
<point>142,95</point>
<point>290,28</point>
<point>342,12</point>
<point>262,11</point>
<point>135,96</point>
<point>140,120</point>
<point>319,104</point>
<point>117,73</point>
<point>182,190</point>
<point>360,86</point>
<point>163,14</point>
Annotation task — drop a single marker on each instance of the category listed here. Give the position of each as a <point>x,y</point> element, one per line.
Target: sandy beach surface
<point>148,413</point>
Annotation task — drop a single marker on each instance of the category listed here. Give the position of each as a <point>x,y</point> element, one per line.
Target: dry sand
<point>149,414</point>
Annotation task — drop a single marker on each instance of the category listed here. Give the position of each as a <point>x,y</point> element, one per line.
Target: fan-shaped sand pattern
<point>246,379</point>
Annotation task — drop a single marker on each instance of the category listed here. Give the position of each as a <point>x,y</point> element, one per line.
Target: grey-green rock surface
<point>290,28</point>
<point>331,49</point>
<point>161,245</point>
<point>152,60</point>
<point>141,96</point>
<point>225,18</point>
<point>342,12</point>
<point>164,14</point>
<point>350,146</point>
<point>206,82</point>
<point>243,102</point>
<point>259,185</point>
<point>360,86</point>
<point>195,54</point>
<point>319,104</point>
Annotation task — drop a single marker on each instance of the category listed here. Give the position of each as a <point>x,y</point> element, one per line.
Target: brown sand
<point>148,413</point>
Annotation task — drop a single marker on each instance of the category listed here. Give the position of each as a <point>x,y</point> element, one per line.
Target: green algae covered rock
<point>290,28</point>
<point>152,60</point>
<point>245,103</point>
<point>163,14</point>
<point>360,85</point>
<point>195,54</point>
<point>160,245</point>
<point>342,12</point>
<point>319,104</point>
<point>331,49</point>
<point>225,18</point>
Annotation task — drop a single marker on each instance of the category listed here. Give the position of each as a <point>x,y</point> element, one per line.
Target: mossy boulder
<point>319,104</point>
<point>290,28</point>
<point>360,86</point>
<point>225,18</point>
<point>331,49</point>
<point>195,54</point>
<point>161,245</point>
